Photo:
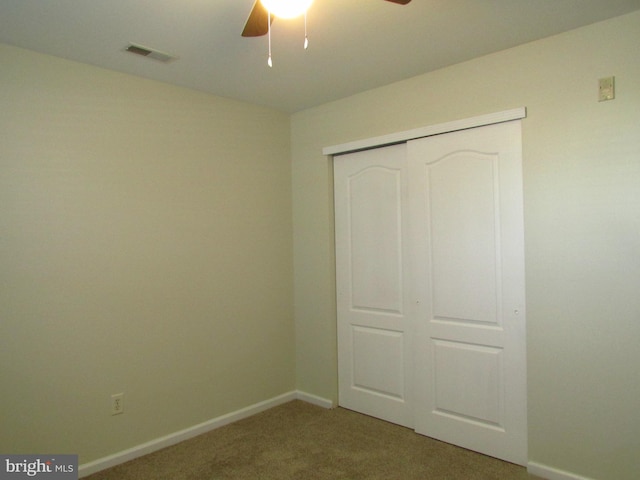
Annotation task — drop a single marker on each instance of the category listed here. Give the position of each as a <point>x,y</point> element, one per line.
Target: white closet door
<point>467,247</point>
<point>374,352</point>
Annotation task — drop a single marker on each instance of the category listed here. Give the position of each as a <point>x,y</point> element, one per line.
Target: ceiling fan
<point>258,22</point>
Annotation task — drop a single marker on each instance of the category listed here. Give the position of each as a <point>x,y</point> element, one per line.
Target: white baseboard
<point>315,400</point>
<point>550,473</point>
<point>182,435</point>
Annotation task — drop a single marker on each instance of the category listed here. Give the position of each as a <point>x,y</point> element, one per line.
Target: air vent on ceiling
<point>150,53</point>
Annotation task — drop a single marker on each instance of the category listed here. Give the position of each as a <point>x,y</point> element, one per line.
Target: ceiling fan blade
<point>257,22</point>
<point>256,25</point>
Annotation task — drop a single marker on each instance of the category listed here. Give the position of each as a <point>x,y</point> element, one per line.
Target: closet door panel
<point>374,353</point>
<point>468,259</point>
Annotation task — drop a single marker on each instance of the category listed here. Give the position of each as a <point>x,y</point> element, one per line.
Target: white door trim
<point>400,137</point>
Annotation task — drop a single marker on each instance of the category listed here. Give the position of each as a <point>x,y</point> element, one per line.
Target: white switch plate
<point>606,90</point>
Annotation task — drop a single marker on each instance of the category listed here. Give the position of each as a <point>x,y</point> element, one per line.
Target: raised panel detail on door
<point>378,361</point>
<point>462,195</point>
<point>467,382</point>
<point>374,353</point>
<point>374,202</point>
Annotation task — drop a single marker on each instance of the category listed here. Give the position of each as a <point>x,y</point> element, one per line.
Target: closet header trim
<point>401,137</point>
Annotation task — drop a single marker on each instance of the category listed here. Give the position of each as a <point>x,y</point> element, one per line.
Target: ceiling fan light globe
<point>287,8</point>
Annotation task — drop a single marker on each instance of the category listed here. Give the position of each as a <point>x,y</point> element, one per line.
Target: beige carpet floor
<point>302,441</point>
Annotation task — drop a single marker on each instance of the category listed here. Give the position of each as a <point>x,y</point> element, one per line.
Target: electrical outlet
<point>117,403</point>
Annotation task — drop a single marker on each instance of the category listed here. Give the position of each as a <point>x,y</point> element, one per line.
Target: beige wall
<point>145,247</point>
<point>582,221</point>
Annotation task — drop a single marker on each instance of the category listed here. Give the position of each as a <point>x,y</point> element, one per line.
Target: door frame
<point>405,136</point>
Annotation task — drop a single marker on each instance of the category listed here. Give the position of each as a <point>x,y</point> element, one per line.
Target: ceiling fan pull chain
<point>269,62</point>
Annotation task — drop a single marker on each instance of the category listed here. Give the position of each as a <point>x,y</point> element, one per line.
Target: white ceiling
<point>355,45</point>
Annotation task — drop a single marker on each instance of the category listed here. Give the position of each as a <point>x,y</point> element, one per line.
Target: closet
<point>430,286</point>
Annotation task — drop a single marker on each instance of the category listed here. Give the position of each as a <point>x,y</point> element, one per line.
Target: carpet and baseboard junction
<point>299,436</point>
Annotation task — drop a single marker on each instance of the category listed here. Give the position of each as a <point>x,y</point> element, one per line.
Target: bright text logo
<point>45,467</point>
